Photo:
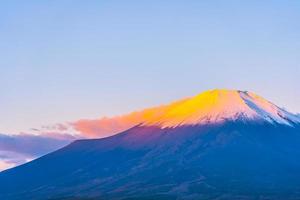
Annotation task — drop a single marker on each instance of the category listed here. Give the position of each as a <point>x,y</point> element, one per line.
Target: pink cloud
<point>45,139</point>
<point>103,127</point>
<point>5,165</point>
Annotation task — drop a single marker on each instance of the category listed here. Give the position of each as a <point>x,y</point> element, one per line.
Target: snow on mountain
<point>216,106</point>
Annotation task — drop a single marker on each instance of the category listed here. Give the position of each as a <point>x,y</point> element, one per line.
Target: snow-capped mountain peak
<point>216,106</point>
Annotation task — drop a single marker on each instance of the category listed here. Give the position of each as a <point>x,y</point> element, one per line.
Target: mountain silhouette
<point>220,144</point>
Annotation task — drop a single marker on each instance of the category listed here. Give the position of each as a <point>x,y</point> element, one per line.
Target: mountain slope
<point>217,145</point>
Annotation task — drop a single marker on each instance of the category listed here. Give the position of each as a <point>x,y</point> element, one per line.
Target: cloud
<point>5,165</point>
<point>18,149</point>
<point>58,127</point>
<point>103,127</point>
<point>34,145</point>
<point>98,128</point>
<point>40,141</point>
<point>107,126</point>
<point>10,159</point>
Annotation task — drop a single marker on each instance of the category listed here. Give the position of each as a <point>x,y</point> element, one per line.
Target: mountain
<point>221,144</point>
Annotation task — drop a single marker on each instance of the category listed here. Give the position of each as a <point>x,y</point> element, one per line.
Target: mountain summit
<point>217,106</point>
<point>221,144</point>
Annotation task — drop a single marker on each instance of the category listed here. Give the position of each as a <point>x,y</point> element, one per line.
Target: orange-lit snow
<point>212,106</point>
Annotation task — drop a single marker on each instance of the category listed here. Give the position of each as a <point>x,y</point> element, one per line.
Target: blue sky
<point>67,60</point>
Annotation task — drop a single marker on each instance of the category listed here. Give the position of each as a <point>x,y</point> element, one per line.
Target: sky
<point>69,60</point>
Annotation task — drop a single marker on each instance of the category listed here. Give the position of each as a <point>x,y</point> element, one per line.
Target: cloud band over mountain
<point>203,108</point>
